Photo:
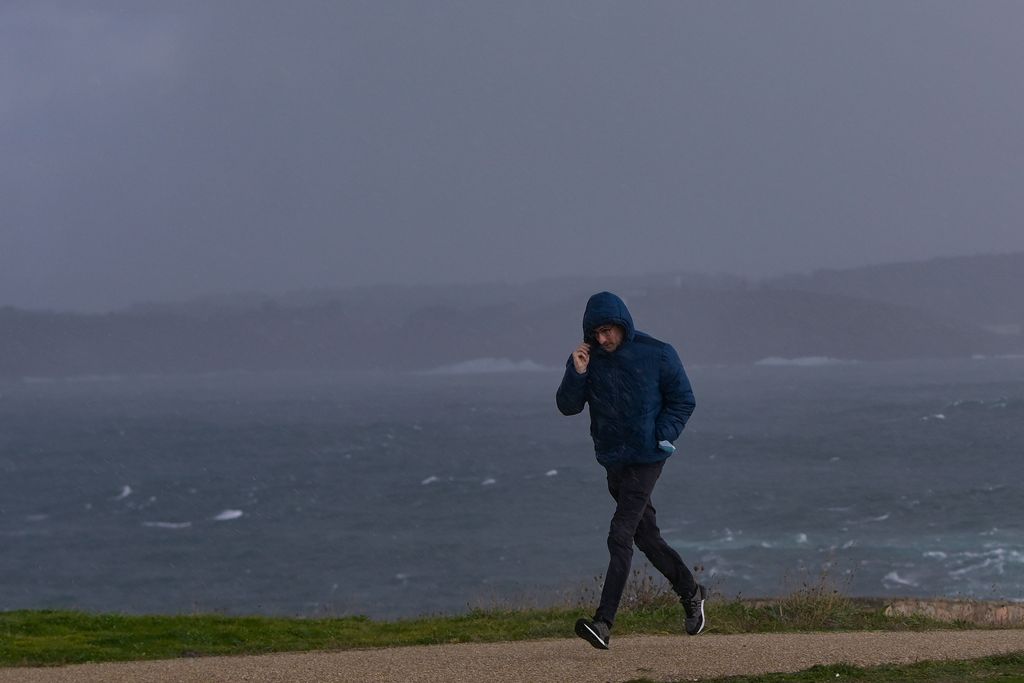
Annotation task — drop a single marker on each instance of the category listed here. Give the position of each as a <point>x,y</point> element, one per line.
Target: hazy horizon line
<point>270,296</point>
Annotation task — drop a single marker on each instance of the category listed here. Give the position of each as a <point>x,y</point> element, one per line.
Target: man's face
<point>609,337</point>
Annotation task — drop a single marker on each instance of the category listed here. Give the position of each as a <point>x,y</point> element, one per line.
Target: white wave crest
<point>995,559</point>
<point>168,525</point>
<point>803,361</point>
<point>488,365</point>
<point>227,515</point>
<point>869,520</point>
<point>895,579</point>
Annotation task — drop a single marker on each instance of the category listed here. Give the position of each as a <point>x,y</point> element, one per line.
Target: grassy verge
<point>51,638</point>
<point>37,638</point>
<point>1002,668</point>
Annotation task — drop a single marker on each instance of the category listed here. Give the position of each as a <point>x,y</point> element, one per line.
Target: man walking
<point>640,400</point>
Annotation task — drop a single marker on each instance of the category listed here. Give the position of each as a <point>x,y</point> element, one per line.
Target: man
<point>640,400</point>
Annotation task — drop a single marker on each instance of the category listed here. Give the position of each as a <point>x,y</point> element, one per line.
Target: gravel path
<point>665,658</point>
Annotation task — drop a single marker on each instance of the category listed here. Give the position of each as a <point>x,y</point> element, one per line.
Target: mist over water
<point>164,152</point>
<point>397,495</point>
<point>796,199</point>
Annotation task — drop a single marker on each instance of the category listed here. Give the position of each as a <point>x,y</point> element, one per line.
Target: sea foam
<point>894,578</point>
<point>803,361</point>
<point>488,365</point>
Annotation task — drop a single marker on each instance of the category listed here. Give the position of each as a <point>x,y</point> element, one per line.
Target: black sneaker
<point>694,607</point>
<point>597,633</point>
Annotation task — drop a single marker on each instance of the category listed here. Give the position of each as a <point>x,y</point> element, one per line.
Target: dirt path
<point>665,658</point>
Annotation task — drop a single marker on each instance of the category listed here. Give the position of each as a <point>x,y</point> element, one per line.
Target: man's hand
<point>581,357</point>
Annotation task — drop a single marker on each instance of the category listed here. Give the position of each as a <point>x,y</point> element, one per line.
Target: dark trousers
<point>634,521</point>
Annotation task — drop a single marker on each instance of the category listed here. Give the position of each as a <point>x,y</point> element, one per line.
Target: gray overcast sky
<point>160,150</point>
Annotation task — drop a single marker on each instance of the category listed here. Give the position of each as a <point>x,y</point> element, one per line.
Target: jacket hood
<point>604,308</point>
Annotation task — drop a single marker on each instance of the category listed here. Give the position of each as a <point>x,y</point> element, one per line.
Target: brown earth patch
<point>982,613</point>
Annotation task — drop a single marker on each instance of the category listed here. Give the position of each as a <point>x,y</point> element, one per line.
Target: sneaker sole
<point>703,621</point>
<point>588,634</point>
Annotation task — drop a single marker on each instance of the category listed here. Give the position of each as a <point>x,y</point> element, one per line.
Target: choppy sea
<point>392,495</point>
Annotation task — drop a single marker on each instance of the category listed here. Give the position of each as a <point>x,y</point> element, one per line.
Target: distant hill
<point>983,290</point>
<point>885,312</point>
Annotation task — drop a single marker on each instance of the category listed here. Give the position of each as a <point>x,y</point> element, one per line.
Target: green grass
<point>52,637</point>
<point>1000,668</point>
<point>37,638</point>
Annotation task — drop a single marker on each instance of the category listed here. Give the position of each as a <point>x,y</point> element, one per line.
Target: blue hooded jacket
<point>638,394</point>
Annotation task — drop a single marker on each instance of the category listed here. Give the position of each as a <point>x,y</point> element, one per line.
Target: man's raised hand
<point>581,357</point>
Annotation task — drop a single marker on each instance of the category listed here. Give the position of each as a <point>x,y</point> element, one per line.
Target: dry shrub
<point>815,601</point>
<point>645,591</point>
